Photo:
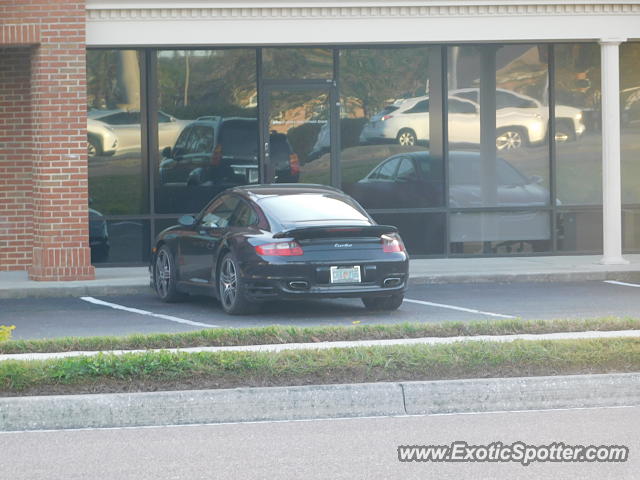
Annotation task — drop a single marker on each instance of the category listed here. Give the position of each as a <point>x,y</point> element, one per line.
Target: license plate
<point>345,274</point>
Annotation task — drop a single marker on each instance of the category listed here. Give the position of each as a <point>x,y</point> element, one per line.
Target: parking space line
<point>461,309</point>
<point>171,318</point>
<point>624,284</point>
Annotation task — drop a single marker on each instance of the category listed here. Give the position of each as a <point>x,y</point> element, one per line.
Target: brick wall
<point>43,161</point>
<point>16,159</point>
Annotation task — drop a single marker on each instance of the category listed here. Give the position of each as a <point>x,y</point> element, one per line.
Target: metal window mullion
<point>334,123</point>
<point>553,150</point>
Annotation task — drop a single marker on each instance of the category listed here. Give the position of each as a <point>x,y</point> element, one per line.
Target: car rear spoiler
<point>337,231</point>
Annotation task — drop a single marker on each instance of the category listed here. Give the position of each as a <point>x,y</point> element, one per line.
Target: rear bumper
<point>313,281</point>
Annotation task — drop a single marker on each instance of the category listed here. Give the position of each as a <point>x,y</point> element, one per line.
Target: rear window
<point>388,110</point>
<point>239,138</point>
<point>309,207</point>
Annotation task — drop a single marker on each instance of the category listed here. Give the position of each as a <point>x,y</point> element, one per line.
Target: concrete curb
<point>44,291</point>
<point>133,287</point>
<point>626,276</point>
<point>317,402</point>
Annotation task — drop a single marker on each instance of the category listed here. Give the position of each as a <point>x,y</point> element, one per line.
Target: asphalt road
<point>363,448</point>
<point>57,317</point>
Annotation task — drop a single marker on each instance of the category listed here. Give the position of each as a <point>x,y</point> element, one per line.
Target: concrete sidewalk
<point>131,280</point>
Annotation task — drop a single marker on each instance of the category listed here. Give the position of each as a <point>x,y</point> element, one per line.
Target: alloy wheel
<point>163,273</point>
<point>228,283</point>
<point>406,138</point>
<point>509,140</point>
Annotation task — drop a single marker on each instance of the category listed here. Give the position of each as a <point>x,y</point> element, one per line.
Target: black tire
<point>93,148</point>
<point>231,288</point>
<point>511,138</point>
<point>407,137</point>
<point>392,302</point>
<point>165,276</point>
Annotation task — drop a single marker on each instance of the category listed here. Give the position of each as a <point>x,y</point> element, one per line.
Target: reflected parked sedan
<point>415,179</point>
<point>268,242</point>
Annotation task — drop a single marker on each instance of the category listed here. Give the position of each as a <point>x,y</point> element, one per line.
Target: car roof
<point>426,154</point>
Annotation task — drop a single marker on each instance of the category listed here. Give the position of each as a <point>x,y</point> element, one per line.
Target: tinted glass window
<point>219,213</point>
<point>431,169</point>
<point>239,138</point>
<point>243,216</point>
<point>420,107</point>
<point>387,170</point>
<point>389,109</point>
<point>202,140</point>
<point>406,170</point>
<point>506,100</point>
<point>467,94</point>
<point>117,169</point>
<point>181,143</point>
<point>198,91</point>
<point>456,106</point>
<point>311,207</point>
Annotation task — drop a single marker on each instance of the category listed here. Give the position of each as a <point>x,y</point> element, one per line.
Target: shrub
<point>5,332</point>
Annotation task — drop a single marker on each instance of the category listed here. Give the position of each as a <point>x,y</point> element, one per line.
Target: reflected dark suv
<point>224,151</point>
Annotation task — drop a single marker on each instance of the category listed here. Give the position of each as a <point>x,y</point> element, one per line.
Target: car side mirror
<point>187,220</point>
<point>166,152</point>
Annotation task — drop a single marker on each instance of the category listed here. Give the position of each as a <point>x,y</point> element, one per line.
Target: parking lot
<point>144,313</point>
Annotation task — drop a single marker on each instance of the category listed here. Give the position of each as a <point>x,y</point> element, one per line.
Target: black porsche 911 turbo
<point>257,243</point>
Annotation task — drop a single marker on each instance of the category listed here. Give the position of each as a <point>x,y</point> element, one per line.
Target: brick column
<point>58,154</point>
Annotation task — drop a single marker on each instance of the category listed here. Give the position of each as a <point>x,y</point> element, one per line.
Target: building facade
<point>477,127</point>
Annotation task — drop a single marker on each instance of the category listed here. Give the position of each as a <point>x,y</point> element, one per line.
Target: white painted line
<point>461,309</point>
<point>624,284</point>
<point>327,345</point>
<point>310,420</point>
<point>145,312</point>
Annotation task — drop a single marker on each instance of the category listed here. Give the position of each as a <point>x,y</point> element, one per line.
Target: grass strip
<point>280,334</point>
<point>151,371</point>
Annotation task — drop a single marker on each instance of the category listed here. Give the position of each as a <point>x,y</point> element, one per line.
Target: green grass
<point>279,334</point>
<point>164,370</point>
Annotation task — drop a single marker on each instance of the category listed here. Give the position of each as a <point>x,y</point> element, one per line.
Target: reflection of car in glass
<point>569,120</point>
<point>118,131</point>
<point>98,236</point>
<point>407,122</point>
<point>268,242</point>
<point>322,144</point>
<point>415,179</point>
<point>224,151</point>
<point>520,120</point>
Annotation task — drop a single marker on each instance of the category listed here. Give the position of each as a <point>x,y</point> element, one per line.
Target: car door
<point>418,119</point>
<point>172,169</point>
<point>378,189</point>
<point>464,121</point>
<point>197,250</point>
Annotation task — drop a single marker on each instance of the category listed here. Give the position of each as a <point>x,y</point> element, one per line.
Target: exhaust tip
<point>392,282</point>
<point>299,285</point>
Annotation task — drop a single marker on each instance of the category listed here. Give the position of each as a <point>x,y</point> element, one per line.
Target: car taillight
<point>294,164</point>
<point>392,244</point>
<point>280,249</point>
<point>386,117</point>
<point>216,156</point>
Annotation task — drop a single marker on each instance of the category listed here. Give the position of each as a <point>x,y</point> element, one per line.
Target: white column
<point>611,190</point>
